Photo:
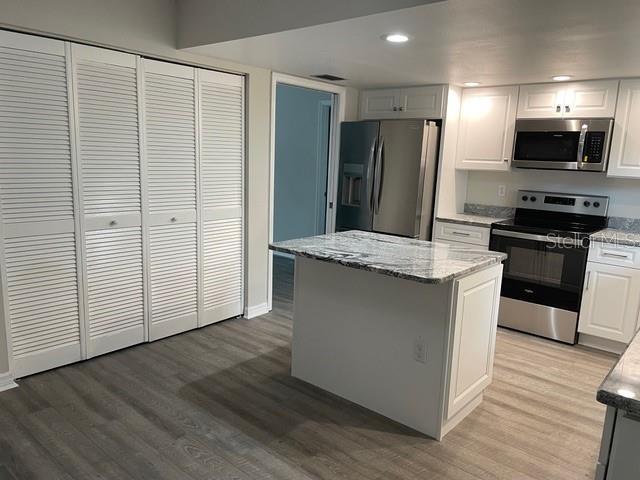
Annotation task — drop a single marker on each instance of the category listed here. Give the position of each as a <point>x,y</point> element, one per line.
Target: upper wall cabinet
<point>624,160</point>
<point>487,123</point>
<point>568,100</point>
<point>416,102</point>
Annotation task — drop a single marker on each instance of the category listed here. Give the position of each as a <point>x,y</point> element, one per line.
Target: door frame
<point>337,115</point>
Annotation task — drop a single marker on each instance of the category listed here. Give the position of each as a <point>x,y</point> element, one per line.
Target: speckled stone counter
<point>621,388</point>
<point>617,236</point>
<point>469,219</point>
<point>416,260</point>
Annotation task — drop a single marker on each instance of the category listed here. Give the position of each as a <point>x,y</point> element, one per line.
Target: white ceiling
<point>494,42</point>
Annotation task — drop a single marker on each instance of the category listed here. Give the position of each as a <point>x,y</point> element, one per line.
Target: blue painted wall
<point>301,159</point>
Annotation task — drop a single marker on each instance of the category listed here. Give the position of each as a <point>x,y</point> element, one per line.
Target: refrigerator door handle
<point>370,175</point>
<point>378,177</point>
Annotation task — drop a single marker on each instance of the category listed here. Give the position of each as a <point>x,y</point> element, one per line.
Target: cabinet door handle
<point>461,234</point>
<point>395,109</point>
<point>567,108</point>
<point>615,255</point>
<point>113,223</point>
<point>174,219</point>
<point>401,109</point>
<point>558,108</point>
<point>586,284</point>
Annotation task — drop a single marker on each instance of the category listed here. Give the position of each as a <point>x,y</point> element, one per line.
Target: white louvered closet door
<point>39,272</point>
<point>108,152</point>
<point>221,98</point>
<point>170,154</point>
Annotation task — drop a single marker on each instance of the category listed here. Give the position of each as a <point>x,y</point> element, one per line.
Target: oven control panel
<point>561,202</point>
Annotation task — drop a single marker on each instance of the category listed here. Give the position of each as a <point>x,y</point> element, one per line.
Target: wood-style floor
<point>218,403</point>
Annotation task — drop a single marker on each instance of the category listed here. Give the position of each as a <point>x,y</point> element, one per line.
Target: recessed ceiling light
<point>562,78</point>
<point>471,84</point>
<point>396,38</point>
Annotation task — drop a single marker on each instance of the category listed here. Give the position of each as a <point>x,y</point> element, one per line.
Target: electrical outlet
<point>420,350</point>
<point>502,190</point>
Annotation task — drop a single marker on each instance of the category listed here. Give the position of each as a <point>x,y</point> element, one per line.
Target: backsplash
<point>624,223</point>
<point>495,211</point>
<point>624,194</point>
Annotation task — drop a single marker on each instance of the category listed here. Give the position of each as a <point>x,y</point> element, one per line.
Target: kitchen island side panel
<point>359,335</point>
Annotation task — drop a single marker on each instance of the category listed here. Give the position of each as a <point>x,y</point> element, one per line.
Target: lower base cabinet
<point>619,459</point>
<point>610,301</point>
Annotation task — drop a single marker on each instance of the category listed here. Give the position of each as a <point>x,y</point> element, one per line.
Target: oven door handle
<point>537,238</point>
<point>581,142</point>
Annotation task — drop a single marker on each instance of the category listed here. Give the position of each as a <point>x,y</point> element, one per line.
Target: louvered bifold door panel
<point>170,154</point>
<point>174,298</point>
<point>37,204</point>
<point>221,98</point>
<point>106,93</point>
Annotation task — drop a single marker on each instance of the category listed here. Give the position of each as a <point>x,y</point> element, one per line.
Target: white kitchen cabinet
<point>624,159</point>
<point>610,302</point>
<point>568,100</point>
<point>382,103</point>
<point>474,336</point>
<point>414,102</point>
<point>486,130</point>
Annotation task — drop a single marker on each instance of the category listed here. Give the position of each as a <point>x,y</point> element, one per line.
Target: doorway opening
<point>305,124</point>
<point>302,139</point>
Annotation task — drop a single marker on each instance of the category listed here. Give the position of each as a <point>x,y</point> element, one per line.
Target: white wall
<point>482,187</point>
<point>147,27</point>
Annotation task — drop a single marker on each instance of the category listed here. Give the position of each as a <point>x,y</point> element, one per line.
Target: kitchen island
<point>620,392</point>
<point>403,327</point>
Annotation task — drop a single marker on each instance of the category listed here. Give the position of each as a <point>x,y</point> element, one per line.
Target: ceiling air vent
<point>329,77</point>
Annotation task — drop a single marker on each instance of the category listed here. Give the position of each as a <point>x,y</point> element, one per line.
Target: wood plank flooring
<point>218,403</point>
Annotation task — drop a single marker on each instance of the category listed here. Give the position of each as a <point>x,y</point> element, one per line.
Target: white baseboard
<point>256,310</point>
<point>598,343</point>
<point>6,382</point>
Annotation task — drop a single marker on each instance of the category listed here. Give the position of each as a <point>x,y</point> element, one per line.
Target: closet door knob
<point>113,223</point>
<point>174,219</point>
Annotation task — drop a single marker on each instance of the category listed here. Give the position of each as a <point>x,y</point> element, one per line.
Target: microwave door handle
<point>581,142</point>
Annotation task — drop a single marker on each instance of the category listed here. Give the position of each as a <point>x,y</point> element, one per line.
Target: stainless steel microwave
<point>558,144</point>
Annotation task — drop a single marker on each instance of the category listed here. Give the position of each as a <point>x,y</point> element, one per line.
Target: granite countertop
<point>621,388</point>
<point>617,236</point>
<point>469,219</point>
<point>407,258</point>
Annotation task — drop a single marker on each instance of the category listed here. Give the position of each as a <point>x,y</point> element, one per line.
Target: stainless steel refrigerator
<point>387,177</point>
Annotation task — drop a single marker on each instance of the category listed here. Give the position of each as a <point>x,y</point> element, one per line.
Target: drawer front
<point>461,244</point>
<point>611,254</point>
<point>462,233</point>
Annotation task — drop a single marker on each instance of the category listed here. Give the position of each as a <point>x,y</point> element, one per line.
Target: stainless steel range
<point>547,243</point>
